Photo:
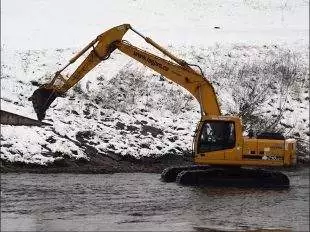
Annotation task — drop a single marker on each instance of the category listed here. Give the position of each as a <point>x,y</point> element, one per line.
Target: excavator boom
<point>185,76</point>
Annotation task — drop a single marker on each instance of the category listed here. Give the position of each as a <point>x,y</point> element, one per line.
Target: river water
<point>139,201</point>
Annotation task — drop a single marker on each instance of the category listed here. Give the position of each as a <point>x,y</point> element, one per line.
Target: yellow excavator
<point>220,149</point>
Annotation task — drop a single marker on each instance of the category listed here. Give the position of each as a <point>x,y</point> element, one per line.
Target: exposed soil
<point>101,163</point>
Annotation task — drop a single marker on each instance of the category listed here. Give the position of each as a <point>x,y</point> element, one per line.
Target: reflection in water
<point>141,202</point>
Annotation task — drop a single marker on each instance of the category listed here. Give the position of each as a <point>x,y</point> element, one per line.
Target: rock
<point>120,126</point>
<point>152,130</point>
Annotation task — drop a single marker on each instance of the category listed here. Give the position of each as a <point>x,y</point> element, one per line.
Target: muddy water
<point>58,202</point>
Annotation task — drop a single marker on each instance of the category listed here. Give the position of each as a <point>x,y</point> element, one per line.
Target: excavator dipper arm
<point>43,97</point>
<point>178,71</point>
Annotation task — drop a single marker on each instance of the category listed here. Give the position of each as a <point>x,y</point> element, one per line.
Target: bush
<point>260,88</point>
<point>132,90</point>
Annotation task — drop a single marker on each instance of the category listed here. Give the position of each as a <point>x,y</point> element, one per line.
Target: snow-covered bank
<point>125,109</point>
<point>255,53</point>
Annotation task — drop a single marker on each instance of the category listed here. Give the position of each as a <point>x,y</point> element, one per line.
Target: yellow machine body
<point>239,150</point>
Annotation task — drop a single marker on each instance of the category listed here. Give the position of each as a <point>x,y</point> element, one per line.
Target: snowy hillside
<point>258,57</point>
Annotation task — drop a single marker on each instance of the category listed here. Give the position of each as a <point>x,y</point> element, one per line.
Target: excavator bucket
<point>41,99</point>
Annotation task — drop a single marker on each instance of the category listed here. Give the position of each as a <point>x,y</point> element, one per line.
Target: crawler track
<point>225,177</point>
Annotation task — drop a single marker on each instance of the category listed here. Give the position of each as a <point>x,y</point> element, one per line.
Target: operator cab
<point>216,135</point>
<point>219,141</point>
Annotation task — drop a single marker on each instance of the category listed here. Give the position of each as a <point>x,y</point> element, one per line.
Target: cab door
<point>235,140</point>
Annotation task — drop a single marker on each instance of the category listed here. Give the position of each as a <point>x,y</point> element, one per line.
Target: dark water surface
<point>58,202</point>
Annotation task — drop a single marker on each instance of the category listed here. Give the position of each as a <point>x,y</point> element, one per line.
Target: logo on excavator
<point>150,61</point>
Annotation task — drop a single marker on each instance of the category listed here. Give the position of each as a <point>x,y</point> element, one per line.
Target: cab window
<point>216,135</point>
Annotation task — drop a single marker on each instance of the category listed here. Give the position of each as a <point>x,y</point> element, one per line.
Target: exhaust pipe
<point>41,99</point>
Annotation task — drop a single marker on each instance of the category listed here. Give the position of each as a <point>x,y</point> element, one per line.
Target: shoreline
<point>104,164</point>
<point>100,164</point>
